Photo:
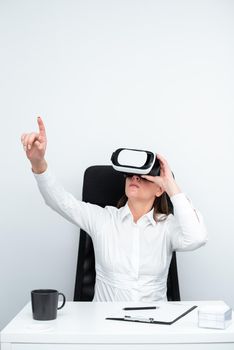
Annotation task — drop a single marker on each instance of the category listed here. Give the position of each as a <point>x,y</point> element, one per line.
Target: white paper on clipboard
<point>165,312</point>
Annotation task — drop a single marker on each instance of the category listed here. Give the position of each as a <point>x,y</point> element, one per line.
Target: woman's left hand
<point>165,180</point>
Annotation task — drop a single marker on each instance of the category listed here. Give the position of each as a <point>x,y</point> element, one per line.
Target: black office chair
<point>105,186</point>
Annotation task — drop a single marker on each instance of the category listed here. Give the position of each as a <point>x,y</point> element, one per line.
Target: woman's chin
<point>132,195</point>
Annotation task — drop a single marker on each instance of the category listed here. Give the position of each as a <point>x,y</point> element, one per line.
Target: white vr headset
<point>135,161</point>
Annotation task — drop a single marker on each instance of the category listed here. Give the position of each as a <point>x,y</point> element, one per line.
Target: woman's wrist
<point>172,188</point>
<point>39,167</point>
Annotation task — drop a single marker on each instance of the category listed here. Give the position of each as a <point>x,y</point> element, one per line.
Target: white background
<point>104,74</point>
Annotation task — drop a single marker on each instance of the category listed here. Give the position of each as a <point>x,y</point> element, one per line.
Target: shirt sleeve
<point>186,227</point>
<point>87,216</point>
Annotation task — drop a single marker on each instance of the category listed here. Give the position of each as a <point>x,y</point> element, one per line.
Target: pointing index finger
<point>41,126</point>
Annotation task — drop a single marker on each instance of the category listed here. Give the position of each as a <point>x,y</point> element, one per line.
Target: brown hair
<point>161,205</point>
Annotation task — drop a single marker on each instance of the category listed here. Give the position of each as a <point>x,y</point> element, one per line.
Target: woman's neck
<point>138,209</point>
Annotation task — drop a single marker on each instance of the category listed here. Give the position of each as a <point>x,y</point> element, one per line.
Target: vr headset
<point>135,162</point>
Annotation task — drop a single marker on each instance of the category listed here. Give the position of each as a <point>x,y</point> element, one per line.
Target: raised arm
<point>87,216</point>
<point>185,228</point>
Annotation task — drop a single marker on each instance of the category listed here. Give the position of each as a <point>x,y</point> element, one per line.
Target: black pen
<point>140,308</point>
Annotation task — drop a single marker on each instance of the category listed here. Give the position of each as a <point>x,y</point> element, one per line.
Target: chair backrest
<point>104,186</point>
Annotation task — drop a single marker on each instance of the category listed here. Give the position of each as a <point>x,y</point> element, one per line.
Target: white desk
<point>82,326</point>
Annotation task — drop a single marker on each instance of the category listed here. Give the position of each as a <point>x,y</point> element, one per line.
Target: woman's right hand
<point>35,147</point>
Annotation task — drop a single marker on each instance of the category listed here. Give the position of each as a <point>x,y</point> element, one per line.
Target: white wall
<point>103,74</point>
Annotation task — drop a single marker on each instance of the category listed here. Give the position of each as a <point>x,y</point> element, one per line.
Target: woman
<point>133,244</point>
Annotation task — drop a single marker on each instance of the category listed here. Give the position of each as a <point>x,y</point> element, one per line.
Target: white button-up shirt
<point>132,259</point>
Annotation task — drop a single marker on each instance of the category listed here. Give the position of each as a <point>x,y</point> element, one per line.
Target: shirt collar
<point>150,216</point>
<point>126,212</point>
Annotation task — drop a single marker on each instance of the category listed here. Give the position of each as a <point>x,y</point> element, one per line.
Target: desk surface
<point>84,322</point>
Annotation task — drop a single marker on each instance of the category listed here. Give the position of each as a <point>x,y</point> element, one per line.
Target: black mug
<point>45,304</point>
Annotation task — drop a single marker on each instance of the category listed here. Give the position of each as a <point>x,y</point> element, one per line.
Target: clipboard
<point>165,314</point>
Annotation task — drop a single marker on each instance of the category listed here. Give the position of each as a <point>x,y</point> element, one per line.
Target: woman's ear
<point>159,191</point>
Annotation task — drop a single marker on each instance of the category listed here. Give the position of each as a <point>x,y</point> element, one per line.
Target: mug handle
<point>64,301</point>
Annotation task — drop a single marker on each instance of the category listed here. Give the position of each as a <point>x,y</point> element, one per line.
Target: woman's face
<point>141,189</point>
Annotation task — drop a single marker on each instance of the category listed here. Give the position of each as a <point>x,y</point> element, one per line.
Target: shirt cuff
<point>44,177</point>
<point>179,199</point>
